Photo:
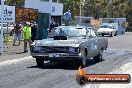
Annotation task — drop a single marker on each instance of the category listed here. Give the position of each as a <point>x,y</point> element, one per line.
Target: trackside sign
<point>8,13</point>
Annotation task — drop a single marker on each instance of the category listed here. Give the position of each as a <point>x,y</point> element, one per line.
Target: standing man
<point>27,36</point>
<point>67,17</point>
<point>52,25</point>
<point>33,31</point>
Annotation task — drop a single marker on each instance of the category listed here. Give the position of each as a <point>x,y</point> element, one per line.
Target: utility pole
<point>110,8</point>
<point>1,31</point>
<point>81,2</point>
<point>80,12</point>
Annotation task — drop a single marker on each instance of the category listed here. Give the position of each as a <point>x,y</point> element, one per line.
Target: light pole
<point>80,12</point>
<point>81,1</point>
<point>1,31</point>
<point>110,8</point>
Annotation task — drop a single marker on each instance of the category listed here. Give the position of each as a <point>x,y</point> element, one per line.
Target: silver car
<point>69,43</point>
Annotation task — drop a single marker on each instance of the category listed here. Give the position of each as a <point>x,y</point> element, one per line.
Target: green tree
<point>93,8</point>
<point>72,5</point>
<point>18,3</point>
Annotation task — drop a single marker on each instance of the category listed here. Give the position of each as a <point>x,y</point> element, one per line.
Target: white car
<point>107,30</point>
<point>9,31</point>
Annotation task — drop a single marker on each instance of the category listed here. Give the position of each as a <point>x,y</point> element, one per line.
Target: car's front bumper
<point>104,33</point>
<point>58,56</point>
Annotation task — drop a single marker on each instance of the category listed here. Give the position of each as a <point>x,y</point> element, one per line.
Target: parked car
<point>10,29</point>
<point>107,30</point>
<point>69,43</point>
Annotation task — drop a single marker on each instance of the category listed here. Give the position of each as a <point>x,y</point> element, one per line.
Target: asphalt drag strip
<point>23,72</point>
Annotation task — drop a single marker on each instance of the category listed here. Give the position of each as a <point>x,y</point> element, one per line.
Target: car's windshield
<point>106,26</point>
<point>69,31</point>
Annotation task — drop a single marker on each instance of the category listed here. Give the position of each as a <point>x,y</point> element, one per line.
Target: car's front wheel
<point>83,59</point>
<point>83,62</point>
<point>111,35</point>
<point>39,61</point>
<point>115,33</point>
<point>103,35</point>
<point>99,57</point>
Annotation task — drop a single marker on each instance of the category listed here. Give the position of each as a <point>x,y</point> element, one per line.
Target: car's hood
<point>50,42</point>
<point>105,29</point>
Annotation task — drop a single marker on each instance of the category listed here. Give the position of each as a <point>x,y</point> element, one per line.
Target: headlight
<point>37,48</point>
<point>33,44</point>
<point>72,49</point>
<point>99,31</point>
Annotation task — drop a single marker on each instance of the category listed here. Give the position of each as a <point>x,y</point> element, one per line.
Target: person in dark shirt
<point>33,31</point>
<point>52,25</point>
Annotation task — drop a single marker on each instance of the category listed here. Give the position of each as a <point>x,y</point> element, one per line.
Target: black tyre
<point>82,62</point>
<point>115,33</point>
<point>11,33</point>
<point>122,32</point>
<point>40,62</point>
<point>111,35</point>
<point>99,57</point>
<point>83,59</point>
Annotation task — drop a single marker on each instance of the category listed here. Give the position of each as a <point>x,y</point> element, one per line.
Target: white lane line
<point>128,50</point>
<point>9,62</point>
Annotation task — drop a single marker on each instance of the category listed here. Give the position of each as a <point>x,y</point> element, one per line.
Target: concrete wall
<point>45,7</point>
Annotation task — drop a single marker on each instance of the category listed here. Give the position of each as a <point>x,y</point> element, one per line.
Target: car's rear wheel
<point>99,57</point>
<point>39,61</point>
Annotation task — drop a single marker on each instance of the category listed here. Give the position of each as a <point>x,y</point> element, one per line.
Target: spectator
<point>52,25</point>
<point>27,36</point>
<point>67,17</point>
<point>17,33</point>
<point>33,31</point>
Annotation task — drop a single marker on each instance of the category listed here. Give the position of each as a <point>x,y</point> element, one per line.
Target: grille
<point>51,49</point>
<point>55,49</point>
